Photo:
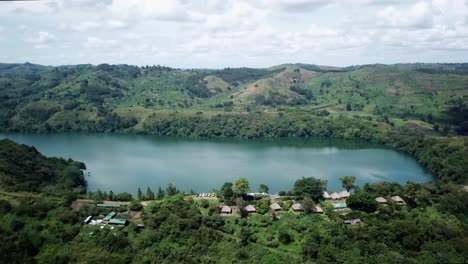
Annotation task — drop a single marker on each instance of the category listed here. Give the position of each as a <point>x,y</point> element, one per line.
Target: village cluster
<point>338,203</point>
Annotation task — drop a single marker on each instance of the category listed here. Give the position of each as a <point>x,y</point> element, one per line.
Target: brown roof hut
<point>250,209</point>
<point>397,199</point>
<point>297,207</point>
<point>381,200</point>
<point>275,207</point>
<point>344,194</point>
<point>226,210</point>
<point>335,196</point>
<point>317,209</point>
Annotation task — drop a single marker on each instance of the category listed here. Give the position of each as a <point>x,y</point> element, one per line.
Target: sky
<point>233,33</point>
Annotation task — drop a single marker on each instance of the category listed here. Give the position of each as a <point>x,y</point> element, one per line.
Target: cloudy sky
<point>233,33</point>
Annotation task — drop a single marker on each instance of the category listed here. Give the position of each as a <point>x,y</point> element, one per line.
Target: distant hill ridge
<point>76,97</point>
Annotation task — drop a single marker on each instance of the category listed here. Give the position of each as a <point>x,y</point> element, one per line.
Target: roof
<point>296,207</point>
<point>340,206</point>
<point>108,205</point>
<point>326,195</point>
<point>344,194</point>
<point>117,221</point>
<point>465,188</point>
<point>335,196</point>
<point>381,200</point>
<point>317,209</point>
<point>275,206</point>
<point>250,208</point>
<point>110,216</point>
<point>356,221</point>
<point>397,199</point>
<point>226,209</point>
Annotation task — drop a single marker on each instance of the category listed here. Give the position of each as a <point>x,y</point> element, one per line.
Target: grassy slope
<point>54,95</point>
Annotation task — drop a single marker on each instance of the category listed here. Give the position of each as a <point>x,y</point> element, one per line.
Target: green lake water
<point>120,162</point>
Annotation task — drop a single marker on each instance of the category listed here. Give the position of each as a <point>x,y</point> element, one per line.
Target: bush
<point>135,205</point>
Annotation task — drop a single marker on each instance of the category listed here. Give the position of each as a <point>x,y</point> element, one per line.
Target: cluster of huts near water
<point>396,199</point>
<point>274,207</point>
<point>336,196</point>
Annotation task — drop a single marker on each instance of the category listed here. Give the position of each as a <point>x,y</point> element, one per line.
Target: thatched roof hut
<point>317,209</point>
<point>250,209</point>
<point>397,199</point>
<point>297,207</point>
<point>325,195</point>
<point>226,210</point>
<point>381,200</point>
<point>335,196</point>
<point>344,194</point>
<point>275,207</point>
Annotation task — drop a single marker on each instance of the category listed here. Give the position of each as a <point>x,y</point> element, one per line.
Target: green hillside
<point>23,168</point>
<point>428,97</point>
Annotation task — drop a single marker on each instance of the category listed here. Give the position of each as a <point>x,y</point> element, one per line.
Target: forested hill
<point>122,97</point>
<point>23,168</point>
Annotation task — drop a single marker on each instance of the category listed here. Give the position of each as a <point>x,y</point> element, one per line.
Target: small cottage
<point>297,207</point>
<point>335,196</point>
<point>226,210</point>
<point>275,207</point>
<point>344,194</point>
<point>397,199</point>
<point>250,209</point>
<point>381,200</point>
<point>317,209</point>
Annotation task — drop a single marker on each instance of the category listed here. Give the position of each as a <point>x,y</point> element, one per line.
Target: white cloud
<point>97,43</point>
<point>111,24</point>
<point>292,5</point>
<point>419,15</point>
<point>176,11</point>
<point>42,40</point>
<point>213,33</point>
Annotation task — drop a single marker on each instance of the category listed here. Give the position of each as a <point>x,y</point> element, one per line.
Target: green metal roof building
<point>117,221</point>
<point>108,205</point>
<point>110,216</point>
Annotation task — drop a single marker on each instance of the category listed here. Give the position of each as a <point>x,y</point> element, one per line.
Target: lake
<point>121,162</point>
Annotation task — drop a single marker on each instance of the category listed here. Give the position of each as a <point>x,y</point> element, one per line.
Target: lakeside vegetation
<point>419,109</point>
<point>47,227</point>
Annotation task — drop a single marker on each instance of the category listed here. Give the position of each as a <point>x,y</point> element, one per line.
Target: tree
<point>135,205</point>
<point>284,236</point>
<point>362,201</point>
<point>309,187</point>
<point>241,186</point>
<point>160,194</point>
<point>111,195</point>
<point>308,205</point>
<point>348,107</point>
<point>263,188</point>
<point>171,190</point>
<point>226,190</point>
<point>149,194</point>
<point>140,195</point>
<point>125,196</point>
<point>347,182</point>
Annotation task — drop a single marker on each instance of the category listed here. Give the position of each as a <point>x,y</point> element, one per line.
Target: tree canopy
<point>309,187</point>
<point>241,186</point>
<point>347,182</point>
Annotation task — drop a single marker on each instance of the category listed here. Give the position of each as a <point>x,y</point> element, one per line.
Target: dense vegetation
<point>23,168</point>
<point>419,109</point>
